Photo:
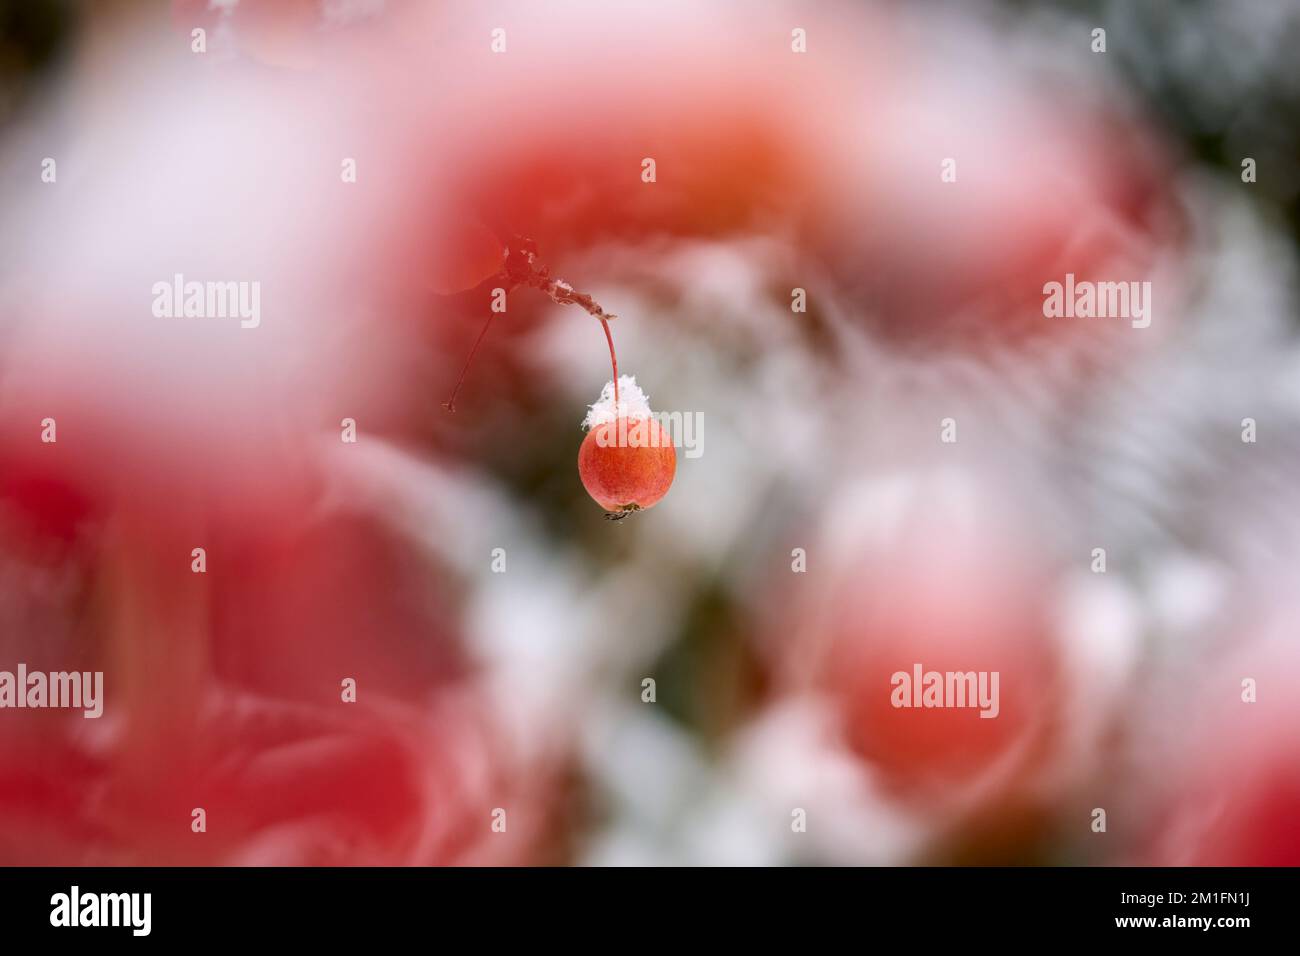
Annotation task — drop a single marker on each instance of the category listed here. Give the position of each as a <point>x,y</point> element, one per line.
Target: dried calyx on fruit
<point>627,461</point>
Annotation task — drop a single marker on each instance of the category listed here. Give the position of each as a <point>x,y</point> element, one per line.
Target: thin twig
<point>521,269</point>
<point>450,404</point>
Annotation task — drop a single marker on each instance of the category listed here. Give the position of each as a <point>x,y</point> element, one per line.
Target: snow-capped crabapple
<point>627,461</point>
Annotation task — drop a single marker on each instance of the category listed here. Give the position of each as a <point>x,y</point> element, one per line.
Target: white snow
<point>633,404</point>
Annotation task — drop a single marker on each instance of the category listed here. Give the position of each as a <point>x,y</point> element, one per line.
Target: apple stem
<point>613,359</point>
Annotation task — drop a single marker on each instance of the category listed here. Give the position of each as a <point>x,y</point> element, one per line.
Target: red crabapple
<point>627,461</point>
